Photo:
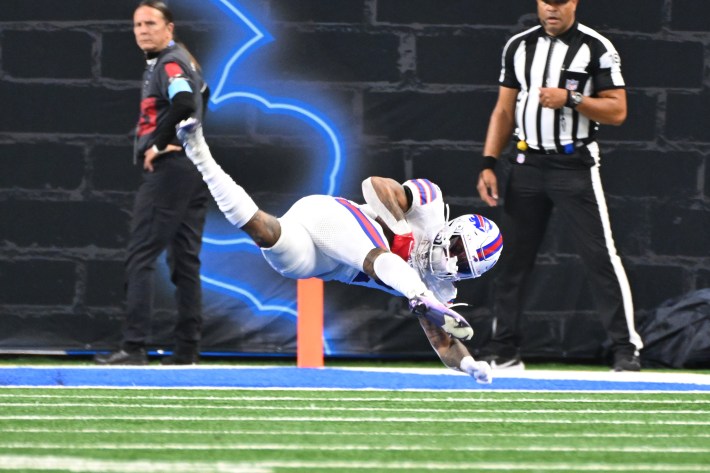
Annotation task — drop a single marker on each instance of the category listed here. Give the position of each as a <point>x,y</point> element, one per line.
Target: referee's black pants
<point>570,184</point>
<point>168,214</point>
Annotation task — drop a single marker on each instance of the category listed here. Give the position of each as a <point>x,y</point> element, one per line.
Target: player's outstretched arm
<point>426,305</point>
<point>454,354</point>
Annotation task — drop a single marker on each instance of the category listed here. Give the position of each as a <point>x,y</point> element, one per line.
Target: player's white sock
<point>232,199</point>
<point>397,274</point>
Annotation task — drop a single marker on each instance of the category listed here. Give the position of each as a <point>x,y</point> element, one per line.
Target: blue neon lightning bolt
<point>222,95</point>
<point>280,105</point>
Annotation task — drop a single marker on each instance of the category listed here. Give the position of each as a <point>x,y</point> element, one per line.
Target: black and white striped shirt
<point>580,59</point>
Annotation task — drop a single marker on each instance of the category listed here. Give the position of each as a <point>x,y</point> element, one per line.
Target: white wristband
<point>468,365</point>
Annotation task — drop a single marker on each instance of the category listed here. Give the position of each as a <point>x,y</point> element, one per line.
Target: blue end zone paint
<point>301,378</point>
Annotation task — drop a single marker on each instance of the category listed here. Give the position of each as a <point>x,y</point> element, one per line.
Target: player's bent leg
<point>232,199</point>
<point>264,229</point>
<point>397,274</point>
<point>294,255</point>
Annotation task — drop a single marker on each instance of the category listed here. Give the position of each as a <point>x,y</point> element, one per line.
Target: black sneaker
<point>180,359</point>
<point>514,363</point>
<point>498,362</point>
<point>123,357</point>
<point>627,363</point>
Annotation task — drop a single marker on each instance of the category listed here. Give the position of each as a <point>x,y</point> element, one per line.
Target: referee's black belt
<point>570,148</point>
<point>544,151</point>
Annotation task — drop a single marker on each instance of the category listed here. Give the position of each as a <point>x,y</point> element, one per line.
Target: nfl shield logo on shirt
<point>571,84</point>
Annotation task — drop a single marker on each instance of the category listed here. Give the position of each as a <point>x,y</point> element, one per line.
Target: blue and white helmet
<point>465,248</point>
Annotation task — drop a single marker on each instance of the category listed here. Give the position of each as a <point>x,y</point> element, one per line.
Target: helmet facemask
<point>448,258</point>
<point>465,248</point>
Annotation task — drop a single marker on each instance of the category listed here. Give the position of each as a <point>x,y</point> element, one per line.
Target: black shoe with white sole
<point>122,357</point>
<point>627,363</point>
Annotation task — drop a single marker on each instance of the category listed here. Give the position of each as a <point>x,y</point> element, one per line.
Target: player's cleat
<point>186,127</point>
<point>189,132</point>
<point>427,306</point>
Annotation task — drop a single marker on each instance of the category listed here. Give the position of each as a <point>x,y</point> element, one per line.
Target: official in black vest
<point>171,204</point>
<point>559,80</point>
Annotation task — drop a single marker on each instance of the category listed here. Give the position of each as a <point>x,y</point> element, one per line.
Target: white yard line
<point>75,464</point>
<point>491,466</point>
<point>303,447</point>
<point>488,420</point>
<point>381,431</point>
<point>81,465</point>
<point>446,410</point>
<point>458,399</point>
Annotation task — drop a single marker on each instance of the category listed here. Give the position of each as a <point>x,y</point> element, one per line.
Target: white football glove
<point>480,370</point>
<point>483,373</point>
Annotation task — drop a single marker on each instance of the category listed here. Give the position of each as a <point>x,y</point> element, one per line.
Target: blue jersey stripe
<point>432,188</point>
<point>422,186</point>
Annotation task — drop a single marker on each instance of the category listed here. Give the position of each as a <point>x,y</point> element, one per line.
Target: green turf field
<point>228,430</point>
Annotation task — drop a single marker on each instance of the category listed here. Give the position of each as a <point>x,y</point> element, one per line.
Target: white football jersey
<point>427,217</point>
<point>329,237</point>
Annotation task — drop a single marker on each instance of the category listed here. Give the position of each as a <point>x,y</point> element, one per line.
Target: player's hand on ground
<point>480,370</point>
<point>482,373</point>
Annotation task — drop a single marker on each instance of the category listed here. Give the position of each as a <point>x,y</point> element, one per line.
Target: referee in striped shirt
<point>559,81</point>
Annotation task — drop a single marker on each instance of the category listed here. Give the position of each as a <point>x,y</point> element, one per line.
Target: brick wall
<point>417,81</point>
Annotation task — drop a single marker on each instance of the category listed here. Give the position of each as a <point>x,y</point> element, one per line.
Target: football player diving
<point>399,241</point>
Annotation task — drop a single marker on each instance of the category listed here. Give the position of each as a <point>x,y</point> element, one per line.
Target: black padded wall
<point>411,84</point>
